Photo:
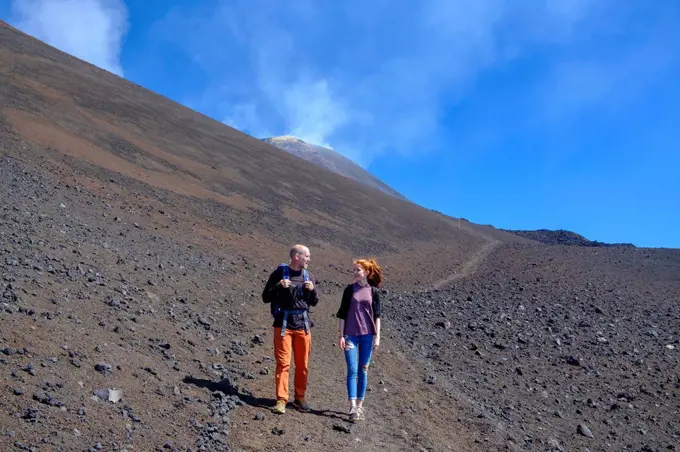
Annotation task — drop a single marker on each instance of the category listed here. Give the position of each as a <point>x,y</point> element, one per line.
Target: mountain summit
<point>332,160</point>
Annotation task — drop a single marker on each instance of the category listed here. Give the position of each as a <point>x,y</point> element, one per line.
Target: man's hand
<point>376,342</point>
<point>341,342</point>
<point>309,285</point>
<point>285,283</point>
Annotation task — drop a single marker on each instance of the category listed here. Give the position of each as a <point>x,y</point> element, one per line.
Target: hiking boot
<point>280,407</point>
<point>301,405</point>
<point>353,415</point>
<point>360,414</point>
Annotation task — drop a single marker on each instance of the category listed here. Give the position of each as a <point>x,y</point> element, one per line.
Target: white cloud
<point>375,77</point>
<point>313,113</point>
<point>91,30</point>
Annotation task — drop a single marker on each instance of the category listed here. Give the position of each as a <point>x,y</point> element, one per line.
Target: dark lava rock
<point>104,368</point>
<point>46,399</point>
<point>32,415</point>
<point>573,361</point>
<point>584,430</point>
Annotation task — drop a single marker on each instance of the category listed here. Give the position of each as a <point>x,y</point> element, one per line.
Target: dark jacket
<point>347,299</point>
<point>288,298</point>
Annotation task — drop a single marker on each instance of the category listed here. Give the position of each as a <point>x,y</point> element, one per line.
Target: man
<point>291,290</point>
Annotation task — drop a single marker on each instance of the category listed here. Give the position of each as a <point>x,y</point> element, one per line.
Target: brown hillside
<point>170,223</point>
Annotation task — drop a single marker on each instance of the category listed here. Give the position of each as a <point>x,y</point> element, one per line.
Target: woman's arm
<point>377,313</point>
<point>344,303</point>
<point>342,315</point>
<point>341,334</point>
<point>376,340</point>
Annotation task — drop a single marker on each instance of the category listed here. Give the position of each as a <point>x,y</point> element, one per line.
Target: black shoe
<point>301,405</point>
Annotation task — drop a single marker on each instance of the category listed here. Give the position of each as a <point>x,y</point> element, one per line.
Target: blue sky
<point>522,114</point>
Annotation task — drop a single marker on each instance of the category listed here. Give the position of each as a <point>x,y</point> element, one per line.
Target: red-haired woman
<point>359,330</point>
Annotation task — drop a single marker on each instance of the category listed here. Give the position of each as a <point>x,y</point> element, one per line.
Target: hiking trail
<point>403,411</point>
<point>469,267</point>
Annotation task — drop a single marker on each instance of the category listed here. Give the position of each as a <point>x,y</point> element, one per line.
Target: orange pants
<point>300,344</point>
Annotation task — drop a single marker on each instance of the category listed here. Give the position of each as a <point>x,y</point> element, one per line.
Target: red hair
<point>373,271</point>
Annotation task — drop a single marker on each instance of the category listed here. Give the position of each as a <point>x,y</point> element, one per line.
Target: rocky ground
<point>94,311</point>
<point>570,348</point>
<point>123,330</point>
<point>531,348</point>
<point>135,239</point>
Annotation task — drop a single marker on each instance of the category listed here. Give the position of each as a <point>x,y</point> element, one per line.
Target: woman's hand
<point>376,342</point>
<point>341,342</point>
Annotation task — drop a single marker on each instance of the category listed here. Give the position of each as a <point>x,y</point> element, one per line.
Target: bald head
<point>299,257</point>
<point>297,249</point>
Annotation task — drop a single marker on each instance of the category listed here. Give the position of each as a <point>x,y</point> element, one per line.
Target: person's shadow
<point>227,387</point>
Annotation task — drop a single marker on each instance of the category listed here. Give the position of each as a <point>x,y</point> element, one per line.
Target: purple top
<point>360,315</point>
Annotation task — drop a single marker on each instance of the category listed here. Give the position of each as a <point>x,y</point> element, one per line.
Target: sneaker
<point>360,414</point>
<point>280,407</point>
<point>301,405</point>
<point>353,415</point>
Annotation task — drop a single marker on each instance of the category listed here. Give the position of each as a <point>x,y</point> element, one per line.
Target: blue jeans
<point>358,355</point>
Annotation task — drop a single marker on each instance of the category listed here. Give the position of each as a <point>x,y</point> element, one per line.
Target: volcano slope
<point>548,339</point>
<point>136,236</point>
<point>135,239</point>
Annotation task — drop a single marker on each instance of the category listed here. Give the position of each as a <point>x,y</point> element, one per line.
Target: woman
<point>359,330</point>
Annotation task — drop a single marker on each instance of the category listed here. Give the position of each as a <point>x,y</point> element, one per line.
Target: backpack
<point>275,308</point>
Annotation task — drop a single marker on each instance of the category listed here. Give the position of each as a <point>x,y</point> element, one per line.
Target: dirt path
<point>403,412</point>
<point>470,266</point>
